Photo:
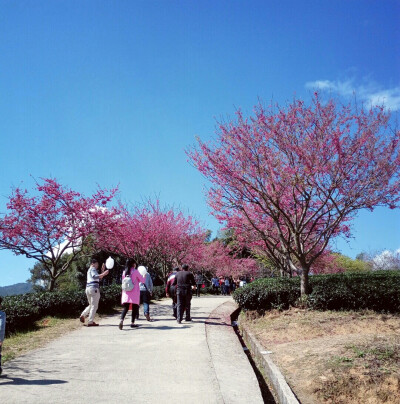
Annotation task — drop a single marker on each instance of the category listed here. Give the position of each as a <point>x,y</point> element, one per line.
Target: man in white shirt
<point>93,291</point>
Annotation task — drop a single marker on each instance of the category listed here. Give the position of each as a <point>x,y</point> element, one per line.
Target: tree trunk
<point>51,285</point>
<point>304,287</point>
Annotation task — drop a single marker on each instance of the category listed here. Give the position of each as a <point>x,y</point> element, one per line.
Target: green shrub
<point>379,291</point>
<point>158,292</point>
<point>23,310</point>
<point>268,293</point>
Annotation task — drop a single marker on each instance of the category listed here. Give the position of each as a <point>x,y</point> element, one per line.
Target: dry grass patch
<point>45,330</point>
<point>334,357</point>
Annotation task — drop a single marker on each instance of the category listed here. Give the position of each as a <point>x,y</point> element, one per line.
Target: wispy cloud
<point>369,92</point>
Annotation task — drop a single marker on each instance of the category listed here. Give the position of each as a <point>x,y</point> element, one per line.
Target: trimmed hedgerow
<point>268,293</point>
<point>158,292</point>
<point>379,291</point>
<point>23,310</point>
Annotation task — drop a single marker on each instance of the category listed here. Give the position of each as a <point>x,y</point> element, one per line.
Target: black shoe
<point>121,324</point>
<point>188,319</point>
<point>134,326</point>
<point>179,321</point>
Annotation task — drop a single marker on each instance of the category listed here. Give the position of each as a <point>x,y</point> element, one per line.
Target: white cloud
<point>369,92</point>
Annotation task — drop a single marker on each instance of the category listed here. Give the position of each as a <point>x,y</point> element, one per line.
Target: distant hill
<point>17,289</point>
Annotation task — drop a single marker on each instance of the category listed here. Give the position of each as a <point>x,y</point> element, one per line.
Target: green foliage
<point>350,265</point>
<point>23,310</point>
<point>158,292</point>
<point>268,293</point>
<point>379,291</point>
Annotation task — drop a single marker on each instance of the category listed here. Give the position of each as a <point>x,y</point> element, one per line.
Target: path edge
<point>281,387</point>
<point>234,388</point>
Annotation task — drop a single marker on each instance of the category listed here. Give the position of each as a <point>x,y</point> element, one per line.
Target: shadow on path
<point>17,381</point>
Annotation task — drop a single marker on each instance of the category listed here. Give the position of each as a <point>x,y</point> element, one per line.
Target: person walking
<point>184,280</point>
<point>232,284</point>
<point>93,291</point>
<point>199,283</point>
<point>2,331</point>
<point>170,290</point>
<point>132,296</point>
<point>222,285</point>
<point>215,285</point>
<point>227,286</point>
<point>146,290</point>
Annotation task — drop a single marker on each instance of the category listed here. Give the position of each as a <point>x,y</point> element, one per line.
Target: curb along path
<point>236,378</point>
<point>160,361</point>
<point>262,357</point>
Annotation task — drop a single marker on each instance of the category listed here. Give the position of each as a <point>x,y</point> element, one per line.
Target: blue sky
<point>112,92</point>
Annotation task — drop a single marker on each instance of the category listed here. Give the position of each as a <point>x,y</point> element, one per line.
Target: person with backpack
<point>130,291</point>
<point>93,291</point>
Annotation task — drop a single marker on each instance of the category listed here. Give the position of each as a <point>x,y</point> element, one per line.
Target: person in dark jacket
<point>199,283</point>
<point>170,290</point>
<point>184,280</point>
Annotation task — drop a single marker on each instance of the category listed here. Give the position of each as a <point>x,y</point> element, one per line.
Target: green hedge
<point>379,291</point>
<point>23,310</point>
<point>158,292</point>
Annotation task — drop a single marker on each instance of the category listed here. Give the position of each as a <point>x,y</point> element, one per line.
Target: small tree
<point>54,222</point>
<point>297,175</point>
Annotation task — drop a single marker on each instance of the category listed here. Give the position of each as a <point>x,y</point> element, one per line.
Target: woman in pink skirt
<point>131,297</point>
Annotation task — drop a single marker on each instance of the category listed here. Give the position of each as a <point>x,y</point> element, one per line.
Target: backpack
<point>127,284</point>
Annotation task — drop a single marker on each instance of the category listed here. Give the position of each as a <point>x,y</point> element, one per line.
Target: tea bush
<point>158,292</point>
<point>23,310</point>
<point>379,291</point>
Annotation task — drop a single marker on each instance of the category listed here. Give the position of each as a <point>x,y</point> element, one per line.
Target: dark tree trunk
<point>51,285</point>
<point>304,286</point>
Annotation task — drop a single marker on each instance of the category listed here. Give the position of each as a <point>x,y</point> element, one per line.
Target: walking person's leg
<point>123,314</point>
<point>146,305</point>
<point>135,311</point>
<point>174,306</point>
<point>188,300</point>
<point>94,304</point>
<point>85,312</point>
<point>180,305</point>
<point>142,292</point>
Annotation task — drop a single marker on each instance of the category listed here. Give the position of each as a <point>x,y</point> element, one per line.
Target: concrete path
<point>159,362</point>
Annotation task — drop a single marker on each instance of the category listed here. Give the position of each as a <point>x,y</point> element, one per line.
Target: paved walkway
<point>159,362</point>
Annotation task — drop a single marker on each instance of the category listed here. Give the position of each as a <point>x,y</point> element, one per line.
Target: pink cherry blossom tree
<point>217,259</point>
<point>54,221</point>
<point>156,237</point>
<point>297,175</point>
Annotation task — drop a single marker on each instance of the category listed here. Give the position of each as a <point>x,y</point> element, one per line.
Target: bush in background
<point>379,291</point>
<point>24,310</point>
<point>158,292</point>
